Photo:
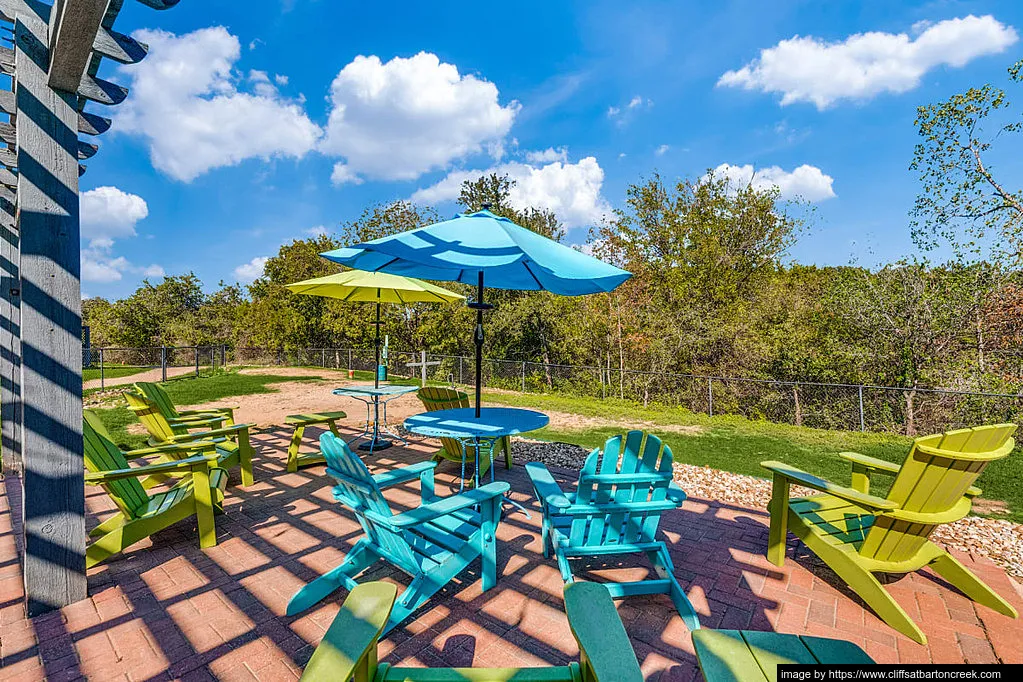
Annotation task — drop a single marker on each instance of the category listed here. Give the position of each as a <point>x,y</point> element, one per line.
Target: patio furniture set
<point>621,494</point>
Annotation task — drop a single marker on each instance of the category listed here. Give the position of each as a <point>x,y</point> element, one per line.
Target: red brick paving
<point>167,610</point>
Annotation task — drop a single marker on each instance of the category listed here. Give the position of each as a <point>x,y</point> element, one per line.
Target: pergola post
<point>57,51</point>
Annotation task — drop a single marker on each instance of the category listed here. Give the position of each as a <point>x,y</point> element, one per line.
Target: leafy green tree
<point>963,201</point>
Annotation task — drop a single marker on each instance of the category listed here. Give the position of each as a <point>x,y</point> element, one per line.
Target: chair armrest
<point>409,473</point>
<point>676,494</point>
<point>210,410</point>
<point>547,490</point>
<point>349,646</point>
<point>198,421</point>
<point>172,448</point>
<point>872,464</point>
<point>95,478</point>
<point>623,478</point>
<point>811,481</point>
<point>213,433</point>
<point>603,643</point>
<point>446,506</point>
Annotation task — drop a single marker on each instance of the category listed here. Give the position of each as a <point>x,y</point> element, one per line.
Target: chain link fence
<point>108,365</point>
<point>847,407</point>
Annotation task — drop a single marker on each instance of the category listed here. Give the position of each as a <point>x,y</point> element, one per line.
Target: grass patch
<point>738,444</point>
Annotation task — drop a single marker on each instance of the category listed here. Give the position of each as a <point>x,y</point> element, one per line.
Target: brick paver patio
<point>168,610</point>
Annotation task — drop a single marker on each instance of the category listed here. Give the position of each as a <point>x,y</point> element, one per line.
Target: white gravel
<point>997,539</point>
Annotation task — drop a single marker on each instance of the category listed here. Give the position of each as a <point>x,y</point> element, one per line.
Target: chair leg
<point>863,583</point>
<point>779,508</point>
<point>488,538</point>
<point>245,453</point>
<point>414,596</point>
<point>506,442</point>
<point>204,499</point>
<point>949,568</point>
<point>120,539</point>
<point>296,442</point>
<point>566,570</point>
<point>664,569</point>
<point>343,576</point>
<point>115,521</point>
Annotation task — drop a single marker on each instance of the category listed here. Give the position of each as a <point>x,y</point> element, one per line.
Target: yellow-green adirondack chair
<point>441,398</point>
<point>348,651</point>
<point>209,417</point>
<point>199,492</point>
<point>232,442</point>
<point>858,534</point>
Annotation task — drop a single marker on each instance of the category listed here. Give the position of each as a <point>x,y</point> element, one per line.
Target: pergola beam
<point>74,25</point>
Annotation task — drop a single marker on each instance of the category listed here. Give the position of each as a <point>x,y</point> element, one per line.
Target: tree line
<point>713,290</point>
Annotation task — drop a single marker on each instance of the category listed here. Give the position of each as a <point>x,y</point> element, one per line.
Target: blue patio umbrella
<point>474,246</point>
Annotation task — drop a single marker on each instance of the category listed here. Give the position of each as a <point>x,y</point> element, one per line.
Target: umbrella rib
<point>525,264</point>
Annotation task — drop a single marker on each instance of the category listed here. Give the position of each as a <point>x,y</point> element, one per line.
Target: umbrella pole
<point>376,367</point>
<point>480,306</point>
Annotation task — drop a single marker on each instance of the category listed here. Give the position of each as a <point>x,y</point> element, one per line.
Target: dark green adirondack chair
<point>198,492</point>
<point>210,417</point>
<point>349,649</point>
<point>232,442</point>
<point>616,509</point>
<point>858,534</point>
<point>432,543</point>
<point>441,398</point>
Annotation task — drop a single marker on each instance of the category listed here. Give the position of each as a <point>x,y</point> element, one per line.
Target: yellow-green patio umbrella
<point>374,287</point>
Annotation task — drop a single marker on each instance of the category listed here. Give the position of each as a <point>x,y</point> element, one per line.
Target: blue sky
<point>251,124</point>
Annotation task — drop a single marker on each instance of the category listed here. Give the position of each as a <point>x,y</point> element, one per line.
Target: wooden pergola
<point>51,54</point>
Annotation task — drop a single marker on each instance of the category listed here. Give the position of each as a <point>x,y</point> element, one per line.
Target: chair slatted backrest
<point>636,453</point>
<point>151,417</point>
<point>159,397</point>
<point>441,398</point>
<point>934,478</point>
<point>102,454</point>
<point>357,490</point>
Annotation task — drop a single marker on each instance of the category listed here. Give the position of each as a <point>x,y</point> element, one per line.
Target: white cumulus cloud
<point>318,231</point>
<point>107,214</point>
<point>547,155</point>
<point>251,271</point>
<point>806,182</point>
<point>807,69</point>
<point>398,119</point>
<point>571,190</point>
<point>187,102</point>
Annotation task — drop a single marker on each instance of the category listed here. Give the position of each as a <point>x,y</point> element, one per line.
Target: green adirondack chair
<point>199,492</point>
<point>858,534</point>
<point>232,441</point>
<point>441,398</point>
<point>754,656</point>
<point>210,417</point>
<point>431,543</point>
<point>348,651</point>
<point>616,509</point>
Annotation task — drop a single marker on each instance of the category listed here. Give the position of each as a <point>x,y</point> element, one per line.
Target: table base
<point>374,445</point>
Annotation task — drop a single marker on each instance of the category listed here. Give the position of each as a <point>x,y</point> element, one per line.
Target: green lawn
<point>739,445</point>
<point>725,442</point>
<point>111,372</point>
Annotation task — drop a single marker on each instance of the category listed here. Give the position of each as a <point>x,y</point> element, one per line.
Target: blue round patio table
<point>462,425</point>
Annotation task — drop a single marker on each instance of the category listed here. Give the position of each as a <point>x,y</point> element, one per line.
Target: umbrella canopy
<point>483,248</point>
<point>374,287</point>
<point>511,257</point>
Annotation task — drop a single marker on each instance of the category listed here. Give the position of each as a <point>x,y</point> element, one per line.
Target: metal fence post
<point>460,369</point>
<point>863,424</point>
<point>323,357</point>
<point>349,358</point>
<point>197,362</point>
<point>163,363</point>
<point>422,360</point>
<point>523,377</point>
<point>710,397</point>
<point>101,378</point>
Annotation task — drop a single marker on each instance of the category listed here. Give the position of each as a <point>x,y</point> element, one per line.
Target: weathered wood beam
<point>86,150</point>
<point>7,133</point>
<point>99,90</point>
<point>119,47</point>
<point>8,194</point>
<point>51,325</point>
<point>7,102</point>
<point>8,158</point>
<point>8,178</point>
<point>73,31</point>
<point>91,124</point>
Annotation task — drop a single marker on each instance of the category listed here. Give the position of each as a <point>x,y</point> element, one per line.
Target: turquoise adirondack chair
<point>432,543</point>
<point>616,509</point>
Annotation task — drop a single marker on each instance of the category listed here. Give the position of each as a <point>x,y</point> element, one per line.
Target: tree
<point>963,201</point>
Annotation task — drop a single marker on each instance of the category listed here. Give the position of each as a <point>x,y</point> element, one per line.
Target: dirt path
<point>294,397</point>
<point>148,375</point>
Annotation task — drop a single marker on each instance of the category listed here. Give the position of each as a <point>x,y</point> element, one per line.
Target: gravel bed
<point>997,539</point>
